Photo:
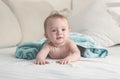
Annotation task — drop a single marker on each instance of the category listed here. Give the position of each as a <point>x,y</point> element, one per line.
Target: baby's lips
<point>59,37</point>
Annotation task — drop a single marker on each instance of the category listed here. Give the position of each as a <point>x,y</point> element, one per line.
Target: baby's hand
<point>64,61</point>
<point>41,62</point>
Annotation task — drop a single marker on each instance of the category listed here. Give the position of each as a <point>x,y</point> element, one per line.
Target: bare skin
<point>58,46</point>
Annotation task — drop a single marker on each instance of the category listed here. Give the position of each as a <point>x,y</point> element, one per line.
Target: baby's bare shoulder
<point>70,42</point>
<point>47,45</point>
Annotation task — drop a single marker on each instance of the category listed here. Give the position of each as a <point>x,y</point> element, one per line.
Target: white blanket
<point>86,68</point>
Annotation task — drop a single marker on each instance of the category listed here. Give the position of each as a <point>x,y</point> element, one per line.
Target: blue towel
<point>92,49</point>
<point>29,50</point>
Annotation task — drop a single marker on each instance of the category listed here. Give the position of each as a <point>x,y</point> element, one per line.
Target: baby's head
<point>56,27</point>
<point>51,17</point>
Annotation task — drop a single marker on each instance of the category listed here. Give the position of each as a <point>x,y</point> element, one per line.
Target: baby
<point>59,46</point>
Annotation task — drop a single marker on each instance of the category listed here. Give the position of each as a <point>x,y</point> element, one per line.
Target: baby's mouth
<point>58,38</point>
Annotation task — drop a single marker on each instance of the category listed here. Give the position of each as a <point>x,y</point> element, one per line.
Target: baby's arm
<point>41,56</point>
<point>73,56</point>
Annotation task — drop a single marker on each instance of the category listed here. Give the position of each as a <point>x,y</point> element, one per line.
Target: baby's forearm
<point>41,59</point>
<point>41,56</point>
<point>74,57</point>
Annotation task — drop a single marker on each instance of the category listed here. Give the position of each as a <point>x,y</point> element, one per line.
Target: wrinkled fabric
<point>29,50</point>
<point>91,48</point>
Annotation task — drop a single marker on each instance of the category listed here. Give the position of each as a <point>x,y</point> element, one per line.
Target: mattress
<point>86,68</point>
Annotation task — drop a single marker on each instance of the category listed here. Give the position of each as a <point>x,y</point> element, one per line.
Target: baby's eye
<point>63,29</point>
<point>53,30</point>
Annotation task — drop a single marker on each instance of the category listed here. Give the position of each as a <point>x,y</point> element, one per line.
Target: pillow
<point>115,13</point>
<point>31,15</point>
<point>10,32</point>
<point>98,23</point>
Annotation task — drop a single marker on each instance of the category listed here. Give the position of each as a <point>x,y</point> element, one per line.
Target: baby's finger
<point>57,61</point>
<point>36,62</point>
<point>65,62</point>
<point>46,62</point>
<point>60,62</point>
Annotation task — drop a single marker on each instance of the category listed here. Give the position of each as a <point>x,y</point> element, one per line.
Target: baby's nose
<point>59,32</point>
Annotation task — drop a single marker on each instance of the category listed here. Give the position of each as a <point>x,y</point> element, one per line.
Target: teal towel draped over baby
<point>29,50</point>
<point>92,49</point>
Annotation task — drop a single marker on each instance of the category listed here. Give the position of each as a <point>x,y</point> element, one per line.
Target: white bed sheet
<point>87,68</point>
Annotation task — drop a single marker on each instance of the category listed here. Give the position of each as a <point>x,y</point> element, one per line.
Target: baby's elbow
<point>77,55</point>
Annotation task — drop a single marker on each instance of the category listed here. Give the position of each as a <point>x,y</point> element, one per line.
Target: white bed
<point>86,68</point>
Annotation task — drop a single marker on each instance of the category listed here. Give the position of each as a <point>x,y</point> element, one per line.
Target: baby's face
<point>57,30</point>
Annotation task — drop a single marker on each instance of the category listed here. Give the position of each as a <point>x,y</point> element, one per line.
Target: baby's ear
<point>46,36</point>
<point>69,29</point>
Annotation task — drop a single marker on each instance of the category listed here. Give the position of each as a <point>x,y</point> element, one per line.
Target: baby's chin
<point>60,43</point>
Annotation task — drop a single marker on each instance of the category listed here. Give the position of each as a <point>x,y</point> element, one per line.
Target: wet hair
<point>53,15</point>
